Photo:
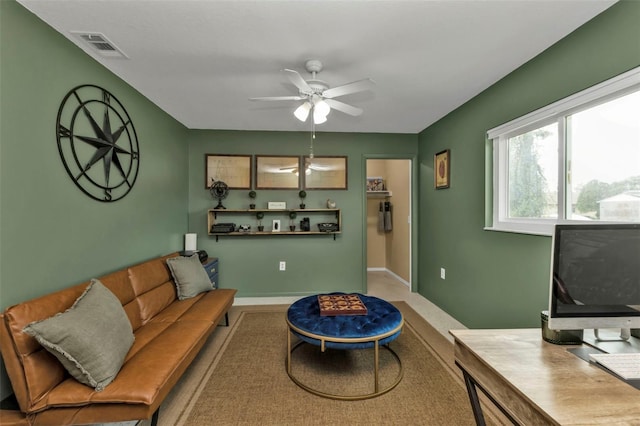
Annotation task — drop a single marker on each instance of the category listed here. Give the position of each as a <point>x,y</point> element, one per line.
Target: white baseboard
<point>435,316</point>
<point>396,276</point>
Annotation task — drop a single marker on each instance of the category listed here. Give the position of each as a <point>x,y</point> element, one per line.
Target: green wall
<point>494,279</point>
<point>51,234</point>
<point>314,263</point>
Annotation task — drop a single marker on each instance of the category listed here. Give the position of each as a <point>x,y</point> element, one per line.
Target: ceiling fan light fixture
<point>321,107</point>
<point>318,118</point>
<point>302,112</point>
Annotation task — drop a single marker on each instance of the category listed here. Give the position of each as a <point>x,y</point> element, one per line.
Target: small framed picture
<point>375,184</point>
<point>441,164</point>
<point>276,225</point>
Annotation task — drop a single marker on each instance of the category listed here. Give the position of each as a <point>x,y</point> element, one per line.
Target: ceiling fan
<point>318,96</point>
<point>308,168</point>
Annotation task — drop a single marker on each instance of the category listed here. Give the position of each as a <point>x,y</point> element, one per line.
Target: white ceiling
<point>200,61</point>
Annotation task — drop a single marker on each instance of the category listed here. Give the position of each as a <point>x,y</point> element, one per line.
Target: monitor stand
<point>608,340</point>
<point>625,334</point>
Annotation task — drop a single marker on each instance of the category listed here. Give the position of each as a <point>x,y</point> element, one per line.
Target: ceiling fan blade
<point>278,98</point>
<point>346,89</point>
<point>342,107</point>
<point>299,82</point>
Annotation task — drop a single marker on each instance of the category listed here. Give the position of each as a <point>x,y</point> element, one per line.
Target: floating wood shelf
<point>378,194</point>
<point>215,216</point>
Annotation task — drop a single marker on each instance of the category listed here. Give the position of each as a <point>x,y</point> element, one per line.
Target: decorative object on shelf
<point>302,194</point>
<point>235,170</point>
<point>224,228</point>
<point>219,190</point>
<point>375,184</point>
<point>277,172</point>
<point>327,172</point>
<point>292,216</point>
<point>276,225</point>
<point>92,126</point>
<point>328,227</point>
<point>441,164</point>
<point>244,228</point>
<point>277,205</point>
<point>305,225</point>
<point>259,216</point>
<point>331,204</point>
<point>252,195</point>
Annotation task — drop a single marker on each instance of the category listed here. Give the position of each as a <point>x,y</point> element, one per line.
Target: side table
<point>211,266</point>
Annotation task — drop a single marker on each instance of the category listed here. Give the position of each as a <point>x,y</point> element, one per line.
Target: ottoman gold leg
<point>289,352</point>
<point>376,360</point>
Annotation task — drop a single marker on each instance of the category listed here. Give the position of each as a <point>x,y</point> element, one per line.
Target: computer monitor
<point>595,277</point>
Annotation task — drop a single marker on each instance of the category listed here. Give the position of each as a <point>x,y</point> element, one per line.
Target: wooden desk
<point>538,383</point>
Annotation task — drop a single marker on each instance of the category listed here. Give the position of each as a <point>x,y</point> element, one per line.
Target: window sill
<point>524,227</point>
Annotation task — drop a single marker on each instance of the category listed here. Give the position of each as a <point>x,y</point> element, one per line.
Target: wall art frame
<point>234,170</point>
<point>325,172</point>
<point>277,172</point>
<point>375,184</point>
<point>442,169</point>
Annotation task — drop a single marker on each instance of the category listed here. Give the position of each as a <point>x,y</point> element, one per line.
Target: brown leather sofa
<point>169,333</point>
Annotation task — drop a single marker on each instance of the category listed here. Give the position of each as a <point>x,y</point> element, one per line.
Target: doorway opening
<point>389,224</point>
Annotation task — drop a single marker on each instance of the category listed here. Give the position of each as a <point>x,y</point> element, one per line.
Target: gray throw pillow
<point>190,277</point>
<point>91,339</point>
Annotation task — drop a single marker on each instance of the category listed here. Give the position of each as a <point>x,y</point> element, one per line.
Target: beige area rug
<point>240,378</point>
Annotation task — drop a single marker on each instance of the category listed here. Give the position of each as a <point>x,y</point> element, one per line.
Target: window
<point>575,160</point>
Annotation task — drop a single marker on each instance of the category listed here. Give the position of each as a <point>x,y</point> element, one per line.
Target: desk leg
<point>473,397</point>
<point>475,402</point>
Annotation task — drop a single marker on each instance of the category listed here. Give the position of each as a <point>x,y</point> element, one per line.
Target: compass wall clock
<point>97,143</point>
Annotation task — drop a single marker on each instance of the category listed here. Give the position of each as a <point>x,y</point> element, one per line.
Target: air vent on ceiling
<point>101,44</point>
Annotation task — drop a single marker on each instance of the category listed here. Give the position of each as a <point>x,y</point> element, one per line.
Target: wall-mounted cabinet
<point>274,222</point>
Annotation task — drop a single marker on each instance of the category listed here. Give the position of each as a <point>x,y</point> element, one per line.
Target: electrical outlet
<point>283,265</point>
<point>442,273</point>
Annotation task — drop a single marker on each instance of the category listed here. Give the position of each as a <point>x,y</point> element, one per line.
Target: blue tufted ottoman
<point>381,325</point>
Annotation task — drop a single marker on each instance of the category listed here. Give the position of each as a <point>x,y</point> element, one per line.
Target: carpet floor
<point>240,378</point>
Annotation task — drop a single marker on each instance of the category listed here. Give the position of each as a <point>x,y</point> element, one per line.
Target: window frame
<point>557,112</point>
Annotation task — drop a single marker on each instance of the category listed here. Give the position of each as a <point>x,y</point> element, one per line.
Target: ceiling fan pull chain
<point>313,136</point>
